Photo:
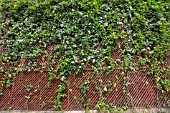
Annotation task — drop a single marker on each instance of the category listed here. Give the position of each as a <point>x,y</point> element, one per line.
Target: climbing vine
<point>63,37</point>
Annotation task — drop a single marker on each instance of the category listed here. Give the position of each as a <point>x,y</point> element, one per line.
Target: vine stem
<point>128,92</point>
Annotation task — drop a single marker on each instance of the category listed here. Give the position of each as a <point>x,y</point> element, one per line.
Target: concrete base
<point>142,110</point>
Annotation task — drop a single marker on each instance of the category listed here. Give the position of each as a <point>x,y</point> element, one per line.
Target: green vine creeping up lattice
<point>101,105</point>
<point>60,95</point>
<point>63,37</point>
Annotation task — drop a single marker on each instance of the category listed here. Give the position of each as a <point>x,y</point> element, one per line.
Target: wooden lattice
<point>141,89</point>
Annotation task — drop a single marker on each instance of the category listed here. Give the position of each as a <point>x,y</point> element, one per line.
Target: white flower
<point>75,58</point>
<point>80,13</point>
<point>134,34</point>
<point>144,49</point>
<point>94,60</point>
<point>146,82</point>
<point>158,78</point>
<point>105,88</point>
<point>62,25</point>
<point>94,44</point>
<point>89,57</point>
<point>120,23</point>
<point>53,27</point>
<point>148,48</point>
<point>20,40</point>
<point>131,8</point>
<point>105,24</point>
<point>63,78</point>
<point>167,7</point>
<point>85,59</point>
<point>74,46</point>
<point>67,42</point>
<point>65,46</point>
<point>89,23</point>
<point>45,45</point>
<point>147,23</point>
<point>162,18</point>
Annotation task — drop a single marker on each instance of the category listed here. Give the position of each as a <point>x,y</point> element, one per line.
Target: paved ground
<point>153,110</point>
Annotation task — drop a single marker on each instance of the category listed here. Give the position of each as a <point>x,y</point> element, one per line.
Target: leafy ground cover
<point>82,33</point>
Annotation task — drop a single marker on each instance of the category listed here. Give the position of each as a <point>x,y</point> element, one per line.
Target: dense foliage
<point>66,36</point>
